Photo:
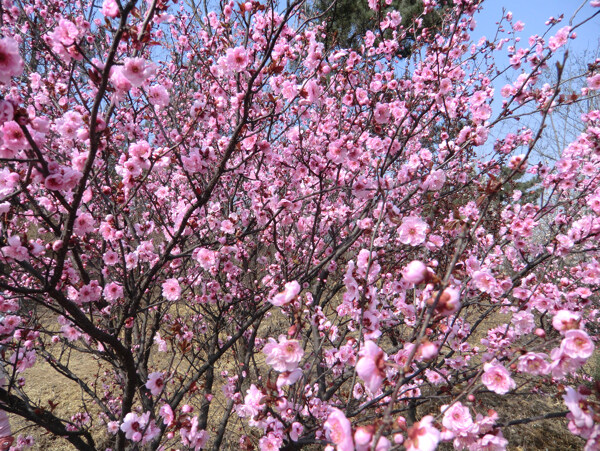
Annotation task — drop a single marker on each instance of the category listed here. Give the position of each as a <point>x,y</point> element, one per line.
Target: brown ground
<point>45,384</point>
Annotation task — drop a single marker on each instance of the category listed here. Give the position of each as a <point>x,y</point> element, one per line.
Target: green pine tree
<point>347,21</point>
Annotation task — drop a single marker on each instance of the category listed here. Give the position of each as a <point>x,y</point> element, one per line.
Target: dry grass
<point>45,384</point>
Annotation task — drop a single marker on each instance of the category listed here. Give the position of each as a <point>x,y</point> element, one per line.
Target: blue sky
<point>535,13</point>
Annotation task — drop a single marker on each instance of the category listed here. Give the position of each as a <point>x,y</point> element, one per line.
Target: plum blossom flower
<point>363,437</point>
<point>110,9</point>
<point>497,378</point>
<point>445,86</point>
<point>492,442</point>
<point>415,272</point>
<point>484,281</point>
<point>457,418</point>
<point>193,437</point>
<point>533,363</point>
<point>285,355</point>
<point>518,26</point>
<point>166,413</point>
<point>137,70</point>
<point>289,377</point>
<point>339,430</point>
<point>252,405</point>
<point>9,323</point>
<point>580,414</point>
<point>517,162</point>
<point>171,289</point>
<point>13,137</point>
<point>84,223</point>
<point>448,303</point>
<point>371,366</point>
<point>577,345</point>
<point>7,111</point>
<point>70,332</point>
<point>110,258</point>
<point>8,181</point>
<point>523,322</point>
<point>156,383</point>
<point>113,427</point>
<point>133,426</point>
<point>291,291</point>
<point>205,257</point>
<point>113,291</point>
<point>69,124</point>
<point>413,231</point>
<point>559,39</point>
<point>427,350</point>
<point>162,344</point>
<point>11,63</point>
<point>270,442</point>
<point>594,82</point>
<point>66,33</point>
<point>158,96</point>
<point>131,259</point>
<point>14,249</point>
<point>374,5</point>
<point>435,180</point>
<point>381,113</point>
<point>119,80</point>
<point>296,431</point>
<point>227,227</point>
<point>89,293</point>
<point>236,59</point>
<point>422,436</point>
<point>565,320</point>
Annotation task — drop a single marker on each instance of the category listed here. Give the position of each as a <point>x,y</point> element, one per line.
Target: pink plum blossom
<point>292,289</point>
<point>534,363</point>
<point>593,82</point>
<point>559,39</point>
<point>166,412</point>
<point>236,59</point>
<point>457,418</point>
<point>415,272</point>
<point>158,96</point>
<point>13,136</point>
<point>11,63</point>
<point>413,231</point>
<point>171,289</point>
<point>133,426</point>
<point>113,291</point>
<point>422,436</point>
<point>155,383</point>
<point>285,355</point>
<point>137,70</point>
<point>251,406</point>
<point>497,378</point>
<point>371,365</point>
<point>339,430</point>
<point>577,344</point>
<point>565,320</point>
<point>110,8</point>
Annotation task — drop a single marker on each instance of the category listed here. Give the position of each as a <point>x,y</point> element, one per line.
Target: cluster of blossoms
<point>262,241</point>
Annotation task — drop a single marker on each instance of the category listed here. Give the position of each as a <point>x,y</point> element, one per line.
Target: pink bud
<point>415,272</point>
<point>363,435</point>
<point>540,332</point>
